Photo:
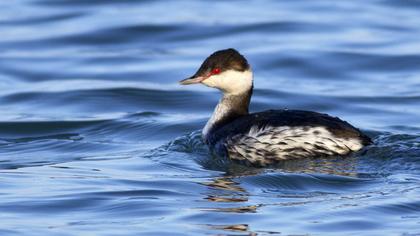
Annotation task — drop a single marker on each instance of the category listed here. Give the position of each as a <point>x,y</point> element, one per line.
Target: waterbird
<point>267,137</point>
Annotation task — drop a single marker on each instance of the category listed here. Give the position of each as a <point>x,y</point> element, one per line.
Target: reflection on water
<point>97,137</point>
<point>228,188</point>
<point>224,183</point>
<point>345,166</point>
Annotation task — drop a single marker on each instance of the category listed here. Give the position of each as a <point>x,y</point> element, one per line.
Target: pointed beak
<point>192,80</point>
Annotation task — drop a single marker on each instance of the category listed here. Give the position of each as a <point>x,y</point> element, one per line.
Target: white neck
<point>219,112</point>
<point>230,107</point>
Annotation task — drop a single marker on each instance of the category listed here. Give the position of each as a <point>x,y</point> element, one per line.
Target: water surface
<point>97,137</point>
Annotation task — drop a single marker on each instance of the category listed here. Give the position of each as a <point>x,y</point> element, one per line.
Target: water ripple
<point>97,136</point>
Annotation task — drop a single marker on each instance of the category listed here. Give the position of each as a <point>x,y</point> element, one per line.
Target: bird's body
<point>265,138</point>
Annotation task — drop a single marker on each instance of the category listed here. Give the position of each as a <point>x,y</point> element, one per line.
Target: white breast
<point>269,144</point>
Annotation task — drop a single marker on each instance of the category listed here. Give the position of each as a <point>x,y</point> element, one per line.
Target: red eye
<point>215,71</point>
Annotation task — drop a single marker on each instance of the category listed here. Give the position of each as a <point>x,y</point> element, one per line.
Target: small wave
<point>390,154</point>
<point>93,3</point>
<point>42,19</point>
<point>32,129</point>
<point>109,99</point>
<point>393,154</point>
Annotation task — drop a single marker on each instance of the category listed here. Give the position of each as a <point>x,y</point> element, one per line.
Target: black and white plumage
<point>271,136</point>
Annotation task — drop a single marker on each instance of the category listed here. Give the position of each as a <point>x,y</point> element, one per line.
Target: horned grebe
<point>267,137</point>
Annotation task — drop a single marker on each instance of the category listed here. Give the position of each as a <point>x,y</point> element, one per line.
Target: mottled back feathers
<point>268,137</point>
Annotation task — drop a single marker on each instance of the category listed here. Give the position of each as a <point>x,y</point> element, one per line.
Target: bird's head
<point>226,70</point>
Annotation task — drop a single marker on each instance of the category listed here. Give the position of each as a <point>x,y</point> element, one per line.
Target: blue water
<point>97,137</point>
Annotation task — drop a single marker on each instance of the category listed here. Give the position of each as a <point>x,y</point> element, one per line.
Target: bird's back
<point>267,137</point>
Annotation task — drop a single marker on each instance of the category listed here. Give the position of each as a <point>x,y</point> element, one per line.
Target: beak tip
<point>183,82</point>
<point>191,80</point>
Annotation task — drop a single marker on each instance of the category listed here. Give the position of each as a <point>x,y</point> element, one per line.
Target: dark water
<point>97,138</point>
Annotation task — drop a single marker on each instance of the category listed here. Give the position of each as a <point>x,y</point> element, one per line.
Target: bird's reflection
<point>229,196</point>
<point>229,190</point>
<point>238,228</point>
<point>342,166</point>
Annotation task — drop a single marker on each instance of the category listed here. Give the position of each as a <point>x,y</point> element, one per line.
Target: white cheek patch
<point>231,81</point>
